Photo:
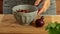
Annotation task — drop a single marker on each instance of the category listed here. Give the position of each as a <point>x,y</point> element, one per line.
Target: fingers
<point>45,6</point>
<point>37,2</point>
<point>40,11</point>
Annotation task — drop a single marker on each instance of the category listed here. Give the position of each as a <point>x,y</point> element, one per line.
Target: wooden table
<point>8,24</point>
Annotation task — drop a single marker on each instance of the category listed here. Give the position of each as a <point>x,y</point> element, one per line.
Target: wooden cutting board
<point>8,24</point>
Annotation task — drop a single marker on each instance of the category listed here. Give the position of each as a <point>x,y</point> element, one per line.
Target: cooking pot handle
<point>40,5</point>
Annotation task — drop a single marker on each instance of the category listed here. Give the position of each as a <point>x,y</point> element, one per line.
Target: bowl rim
<point>25,5</point>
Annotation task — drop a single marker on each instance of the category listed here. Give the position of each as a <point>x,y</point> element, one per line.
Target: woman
<point>49,7</point>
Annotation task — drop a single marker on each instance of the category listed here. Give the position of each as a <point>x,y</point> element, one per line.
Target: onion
<point>39,22</point>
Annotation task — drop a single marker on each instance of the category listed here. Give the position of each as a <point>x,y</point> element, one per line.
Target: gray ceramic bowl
<point>25,18</point>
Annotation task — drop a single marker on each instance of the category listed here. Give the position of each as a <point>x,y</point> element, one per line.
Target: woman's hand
<point>37,2</point>
<point>45,6</point>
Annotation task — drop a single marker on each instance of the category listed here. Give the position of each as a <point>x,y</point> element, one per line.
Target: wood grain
<point>10,25</point>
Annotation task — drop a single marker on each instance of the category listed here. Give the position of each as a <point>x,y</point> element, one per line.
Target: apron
<point>8,4</point>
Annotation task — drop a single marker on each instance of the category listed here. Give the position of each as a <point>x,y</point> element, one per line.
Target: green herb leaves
<point>53,28</point>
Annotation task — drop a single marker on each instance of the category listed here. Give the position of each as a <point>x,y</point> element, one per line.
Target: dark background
<point>1,6</point>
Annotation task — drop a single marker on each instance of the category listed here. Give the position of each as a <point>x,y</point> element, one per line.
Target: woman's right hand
<point>45,6</point>
<point>37,2</point>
